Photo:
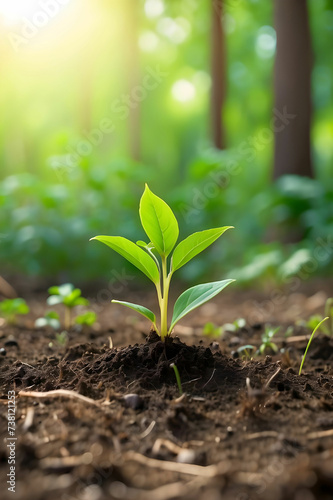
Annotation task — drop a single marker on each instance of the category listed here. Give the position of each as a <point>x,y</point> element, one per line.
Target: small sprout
<point>69,296</point>
<point>177,378</point>
<point>88,318</point>
<point>313,321</point>
<point>211,330</point>
<point>50,319</point>
<point>266,339</point>
<point>289,332</point>
<point>309,343</point>
<point>246,351</point>
<point>62,338</point>
<point>10,308</point>
<point>161,227</point>
<point>235,325</point>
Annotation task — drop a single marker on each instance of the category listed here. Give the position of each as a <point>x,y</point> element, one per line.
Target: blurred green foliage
<point>58,91</point>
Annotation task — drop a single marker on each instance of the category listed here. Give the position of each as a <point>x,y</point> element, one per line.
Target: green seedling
<point>151,258</point>
<point>211,330</point>
<point>88,318</point>
<point>309,343</point>
<point>246,351</point>
<point>11,308</point>
<point>175,369</point>
<point>51,319</point>
<point>313,321</point>
<point>266,340</point>
<point>68,296</point>
<point>235,325</point>
<point>61,339</point>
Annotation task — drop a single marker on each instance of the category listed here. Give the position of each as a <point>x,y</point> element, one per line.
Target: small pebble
<point>133,401</point>
<point>3,351</point>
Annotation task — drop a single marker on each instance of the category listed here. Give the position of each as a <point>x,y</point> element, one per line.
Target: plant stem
<point>307,347</point>
<point>165,298</point>
<point>68,319</point>
<point>175,369</point>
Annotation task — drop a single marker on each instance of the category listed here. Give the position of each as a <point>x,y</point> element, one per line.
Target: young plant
<point>87,318</point>
<point>152,259</point>
<point>69,296</point>
<point>10,308</point>
<point>211,330</point>
<point>179,383</point>
<point>266,340</point>
<point>246,351</point>
<point>309,343</point>
<point>234,326</point>
<point>51,319</point>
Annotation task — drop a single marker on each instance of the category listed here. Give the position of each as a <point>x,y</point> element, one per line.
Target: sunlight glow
<point>154,8</point>
<point>183,91</point>
<point>177,30</point>
<point>14,11</point>
<point>266,42</point>
<point>148,41</point>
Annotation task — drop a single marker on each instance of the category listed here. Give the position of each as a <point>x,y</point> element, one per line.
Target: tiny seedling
<point>175,369</point>
<point>211,330</point>
<point>234,326</point>
<point>69,296</point>
<point>246,351</point>
<point>88,318</point>
<point>11,308</point>
<point>51,319</point>
<point>266,340</point>
<point>60,338</point>
<point>151,258</point>
<point>309,343</point>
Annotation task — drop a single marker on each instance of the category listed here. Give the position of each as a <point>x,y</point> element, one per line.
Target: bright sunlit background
<point>99,96</point>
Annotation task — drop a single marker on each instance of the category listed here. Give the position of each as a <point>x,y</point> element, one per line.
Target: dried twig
<point>146,433</point>
<point>29,419</point>
<point>210,378</point>
<point>59,393</point>
<point>61,462</point>
<point>320,434</point>
<point>272,378</point>
<point>191,469</point>
<point>261,435</point>
<point>173,447</point>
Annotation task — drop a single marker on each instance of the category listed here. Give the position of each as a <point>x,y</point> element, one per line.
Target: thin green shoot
<point>307,347</point>
<point>175,369</point>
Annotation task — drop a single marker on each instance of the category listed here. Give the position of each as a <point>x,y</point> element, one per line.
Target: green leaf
<point>140,309</point>
<point>195,297</point>
<point>134,254</point>
<point>75,299</point>
<point>159,222</point>
<point>142,244</point>
<point>55,299</point>
<point>194,244</point>
<point>88,318</point>
<point>62,290</point>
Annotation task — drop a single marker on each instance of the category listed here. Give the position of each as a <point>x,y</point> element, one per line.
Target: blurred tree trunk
<point>218,70</point>
<point>133,77</point>
<point>292,81</point>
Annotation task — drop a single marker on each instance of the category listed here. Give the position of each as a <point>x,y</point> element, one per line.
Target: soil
<point>244,429</point>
